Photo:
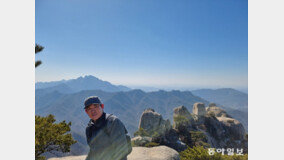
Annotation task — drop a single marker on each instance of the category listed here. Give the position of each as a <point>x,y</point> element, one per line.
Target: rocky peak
<point>199,109</point>
<point>216,111</point>
<point>212,105</point>
<point>235,128</point>
<point>149,109</point>
<point>209,127</point>
<point>152,122</point>
<point>181,116</point>
<point>182,111</point>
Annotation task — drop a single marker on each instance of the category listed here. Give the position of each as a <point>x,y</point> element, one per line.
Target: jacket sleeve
<point>88,135</point>
<point>118,139</point>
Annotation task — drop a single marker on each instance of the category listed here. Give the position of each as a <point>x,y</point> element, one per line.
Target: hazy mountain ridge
<point>81,83</point>
<point>227,97</point>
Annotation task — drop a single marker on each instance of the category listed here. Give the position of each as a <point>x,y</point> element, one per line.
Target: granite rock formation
<point>152,122</point>
<point>199,109</point>
<point>210,127</point>
<point>139,153</point>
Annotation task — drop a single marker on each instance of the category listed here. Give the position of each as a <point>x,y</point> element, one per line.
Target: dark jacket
<point>106,138</point>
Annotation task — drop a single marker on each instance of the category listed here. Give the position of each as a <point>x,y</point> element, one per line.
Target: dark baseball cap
<point>92,100</point>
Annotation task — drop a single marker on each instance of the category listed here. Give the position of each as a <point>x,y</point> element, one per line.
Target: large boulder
<point>82,157</point>
<point>215,131</point>
<point>235,128</point>
<point>139,153</point>
<point>199,109</point>
<point>154,153</point>
<point>152,122</point>
<point>223,132</point>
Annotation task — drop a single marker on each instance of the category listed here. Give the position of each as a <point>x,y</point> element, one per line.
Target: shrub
<point>152,144</point>
<point>181,122</point>
<point>141,132</point>
<point>198,138</point>
<point>155,135</point>
<point>133,144</point>
<point>51,136</point>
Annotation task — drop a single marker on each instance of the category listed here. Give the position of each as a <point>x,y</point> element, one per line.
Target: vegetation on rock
<point>198,138</point>
<point>180,121</point>
<point>141,132</point>
<point>152,144</point>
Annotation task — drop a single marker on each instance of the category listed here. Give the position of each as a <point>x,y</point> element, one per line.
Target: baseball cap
<point>92,100</point>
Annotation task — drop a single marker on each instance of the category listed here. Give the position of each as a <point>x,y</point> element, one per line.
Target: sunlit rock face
<point>220,129</point>
<point>154,153</point>
<point>152,121</point>
<point>199,109</point>
<point>139,153</point>
<point>183,112</point>
<point>218,112</point>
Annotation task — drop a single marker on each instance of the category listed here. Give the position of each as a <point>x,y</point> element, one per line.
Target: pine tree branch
<point>38,48</point>
<point>37,63</point>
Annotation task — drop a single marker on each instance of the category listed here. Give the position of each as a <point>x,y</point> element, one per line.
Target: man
<point>106,134</point>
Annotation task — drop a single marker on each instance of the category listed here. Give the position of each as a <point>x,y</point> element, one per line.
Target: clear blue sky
<point>184,43</point>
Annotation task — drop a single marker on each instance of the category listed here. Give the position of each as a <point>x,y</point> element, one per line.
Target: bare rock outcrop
<point>218,112</point>
<point>139,153</point>
<point>82,157</point>
<point>153,126</point>
<point>236,129</point>
<point>181,113</point>
<point>152,122</point>
<point>199,109</point>
<point>218,127</point>
<point>154,153</point>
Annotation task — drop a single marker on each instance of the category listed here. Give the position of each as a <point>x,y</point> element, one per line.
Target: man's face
<point>94,111</point>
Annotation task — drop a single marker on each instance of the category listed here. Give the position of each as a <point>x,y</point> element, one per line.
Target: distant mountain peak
<point>87,82</point>
<point>90,77</point>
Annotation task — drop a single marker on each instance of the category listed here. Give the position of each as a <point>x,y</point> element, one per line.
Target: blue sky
<point>158,43</point>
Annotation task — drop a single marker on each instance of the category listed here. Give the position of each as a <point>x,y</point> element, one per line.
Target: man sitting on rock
<point>106,134</point>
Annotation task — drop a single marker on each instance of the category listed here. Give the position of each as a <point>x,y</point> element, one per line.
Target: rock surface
<point>236,129</point>
<point>221,130</point>
<point>218,112</point>
<point>199,109</point>
<point>182,111</point>
<point>82,157</point>
<point>152,121</point>
<point>154,153</point>
<point>139,153</point>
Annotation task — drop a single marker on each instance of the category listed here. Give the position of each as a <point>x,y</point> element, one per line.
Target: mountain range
<point>81,83</point>
<point>64,99</point>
